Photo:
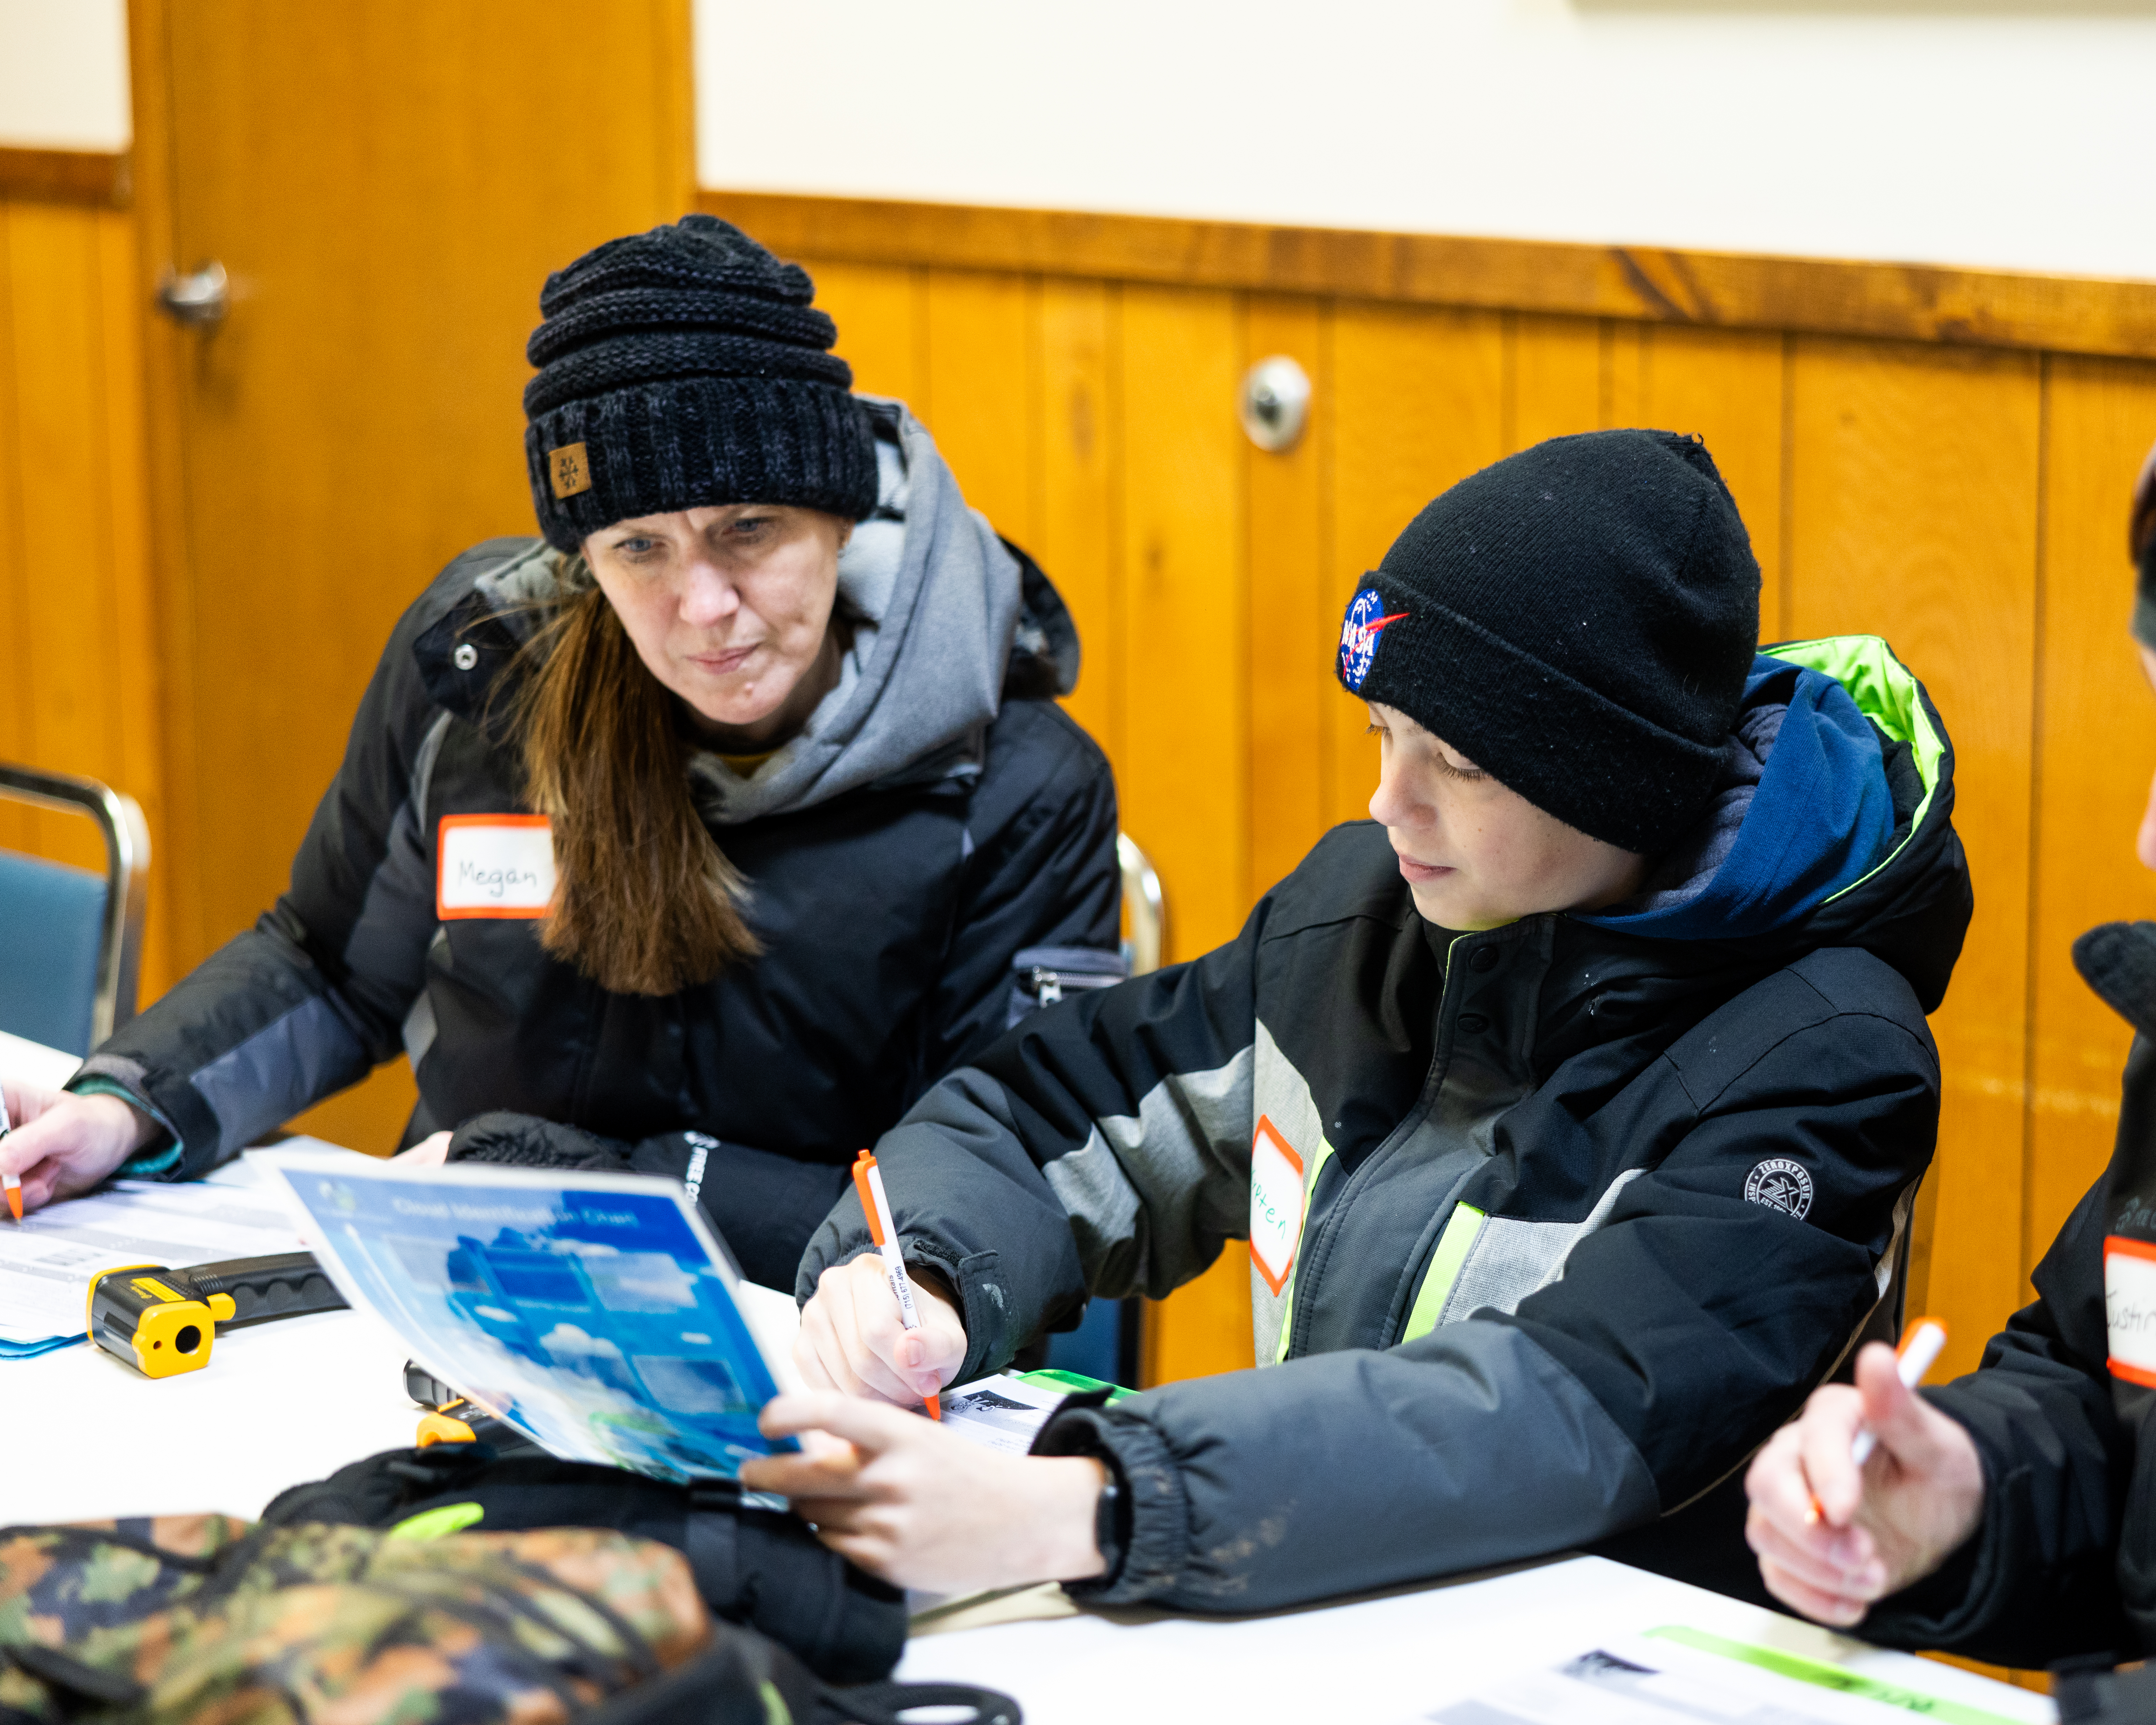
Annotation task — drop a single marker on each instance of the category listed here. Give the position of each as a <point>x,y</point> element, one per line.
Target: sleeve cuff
<point>1155,1528</point>
<point>157,1160</point>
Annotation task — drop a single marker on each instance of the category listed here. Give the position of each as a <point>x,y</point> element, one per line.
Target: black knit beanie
<point>684,367</point>
<point>1577,620</point>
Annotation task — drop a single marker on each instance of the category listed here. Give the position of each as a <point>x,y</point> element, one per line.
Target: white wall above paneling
<point>63,74</point>
<point>1983,132</point>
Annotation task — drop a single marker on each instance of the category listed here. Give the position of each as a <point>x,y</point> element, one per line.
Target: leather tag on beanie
<point>568,471</point>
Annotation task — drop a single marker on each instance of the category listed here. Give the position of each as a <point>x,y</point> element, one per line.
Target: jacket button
<point>465,657</point>
<point>1473,1024</point>
<point>1484,958</point>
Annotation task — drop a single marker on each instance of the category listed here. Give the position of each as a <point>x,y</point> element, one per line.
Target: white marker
<point>13,1184</point>
<point>1920,1352</point>
<point>868,1181</point>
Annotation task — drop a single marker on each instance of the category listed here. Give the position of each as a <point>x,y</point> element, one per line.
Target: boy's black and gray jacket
<point>2063,1565</point>
<point>1583,1213</point>
<point>938,817</point>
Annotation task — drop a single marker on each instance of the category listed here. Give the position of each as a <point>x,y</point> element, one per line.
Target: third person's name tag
<point>2129,1307</point>
<point>1275,1203</point>
<point>493,865</point>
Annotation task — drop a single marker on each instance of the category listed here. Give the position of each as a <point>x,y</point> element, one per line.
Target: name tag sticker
<point>1275,1203</point>
<point>493,865</point>
<point>2129,1307</point>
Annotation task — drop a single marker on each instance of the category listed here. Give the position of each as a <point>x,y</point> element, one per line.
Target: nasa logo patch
<point>1359,635</point>
<point>1781,1184</point>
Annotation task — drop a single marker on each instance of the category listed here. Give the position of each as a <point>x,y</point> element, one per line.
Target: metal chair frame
<point>126,836</point>
<point>1148,908</point>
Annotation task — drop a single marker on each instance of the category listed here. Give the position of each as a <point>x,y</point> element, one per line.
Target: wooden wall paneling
<point>1183,772</point>
<point>1555,378</point>
<point>63,533</point>
<point>138,648</point>
<point>1077,516</point>
<point>18,830</point>
<point>981,353</point>
<point>1892,301</point>
<point>1913,516</point>
<point>78,643</point>
<point>883,326</point>
<point>2095,740</point>
<point>1727,386</point>
<point>1294,616</point>
<point>1419,402</point>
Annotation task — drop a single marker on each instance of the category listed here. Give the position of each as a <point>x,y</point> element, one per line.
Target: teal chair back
<point>71,941</point>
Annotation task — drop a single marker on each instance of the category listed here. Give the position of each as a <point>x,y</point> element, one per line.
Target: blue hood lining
<point>1803,809</point>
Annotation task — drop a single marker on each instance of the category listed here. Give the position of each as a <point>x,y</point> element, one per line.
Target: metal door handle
<point>198,300</point>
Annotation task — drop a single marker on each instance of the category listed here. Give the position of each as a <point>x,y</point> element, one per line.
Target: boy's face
<point>1475,854</point>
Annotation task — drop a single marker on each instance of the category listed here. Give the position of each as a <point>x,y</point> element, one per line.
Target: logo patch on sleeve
<point>1275,1203</point>
<point>493,865</point>
<point>1359,633</point>
<point>1781,1184</point>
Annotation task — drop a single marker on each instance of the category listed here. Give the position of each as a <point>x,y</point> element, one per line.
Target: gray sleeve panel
<point>1151,1197</point>
<point>1510,1259</point>
<point>1338,1472</point>
<point>969,1203</point>
<point>289,1064</point>
<point>385,954</point>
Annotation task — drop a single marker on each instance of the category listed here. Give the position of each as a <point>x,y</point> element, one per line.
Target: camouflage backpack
<point>177,1619</point>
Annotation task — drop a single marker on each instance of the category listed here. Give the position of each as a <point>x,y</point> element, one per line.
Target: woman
<point>2010,1515</point>
<point>714,821</point>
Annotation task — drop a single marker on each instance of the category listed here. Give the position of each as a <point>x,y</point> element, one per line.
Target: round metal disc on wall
<point>1276,402</point>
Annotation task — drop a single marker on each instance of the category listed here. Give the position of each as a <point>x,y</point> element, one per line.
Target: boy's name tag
<point>2129,1307</point>
<point>1275,1203</point>
<point>493,865</point>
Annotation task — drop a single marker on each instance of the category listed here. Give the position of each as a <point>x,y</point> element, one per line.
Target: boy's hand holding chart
<point>596,1313</point>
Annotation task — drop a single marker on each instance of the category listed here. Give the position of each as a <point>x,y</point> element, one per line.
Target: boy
<point>1573,1108</point>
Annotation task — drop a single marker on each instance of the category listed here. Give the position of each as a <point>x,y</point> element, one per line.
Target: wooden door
<point>387,187</point>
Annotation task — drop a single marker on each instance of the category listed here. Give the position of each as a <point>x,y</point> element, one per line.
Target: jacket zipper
<point>1433,1082</point>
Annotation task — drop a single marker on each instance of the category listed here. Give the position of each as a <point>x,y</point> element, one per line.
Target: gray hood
<point>934,597</point>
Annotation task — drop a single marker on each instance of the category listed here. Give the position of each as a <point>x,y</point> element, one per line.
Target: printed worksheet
<point>48,1258</point>
<point>1679,1675</point>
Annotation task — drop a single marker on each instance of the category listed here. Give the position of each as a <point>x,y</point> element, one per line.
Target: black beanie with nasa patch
<point>1579,621</point>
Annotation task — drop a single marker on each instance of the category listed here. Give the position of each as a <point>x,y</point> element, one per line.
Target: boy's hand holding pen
<point>857,1335</point>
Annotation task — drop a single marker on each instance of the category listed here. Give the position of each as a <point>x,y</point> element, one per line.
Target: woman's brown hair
<point>644,901</point>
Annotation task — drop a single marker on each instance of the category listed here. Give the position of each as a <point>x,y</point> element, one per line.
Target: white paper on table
<point>1648,1680</point>
<point>48,1258</point>
<point>1000,1413</point>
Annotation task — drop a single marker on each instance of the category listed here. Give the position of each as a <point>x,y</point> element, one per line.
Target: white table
<point>35,1062</point>
<point>295,1400</point>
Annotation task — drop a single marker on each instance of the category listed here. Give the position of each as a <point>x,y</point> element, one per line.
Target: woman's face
<point>1475,854</point>
<point>730,607</point>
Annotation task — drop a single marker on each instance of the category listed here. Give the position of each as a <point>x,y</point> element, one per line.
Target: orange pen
<point>868,1181</point>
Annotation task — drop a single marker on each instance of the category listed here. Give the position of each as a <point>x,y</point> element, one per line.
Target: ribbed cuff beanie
<point>685,367</point>
<point>1577,620</point>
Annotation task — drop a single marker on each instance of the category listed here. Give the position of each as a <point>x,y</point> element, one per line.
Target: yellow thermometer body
<point>138,1313</point>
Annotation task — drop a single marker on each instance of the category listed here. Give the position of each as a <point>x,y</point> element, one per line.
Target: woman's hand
<point>851,1339</point>
<point>1919,1498</point>
<point>432,1151</point>
<point>63,1145</point>
<point>922,1507</point>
